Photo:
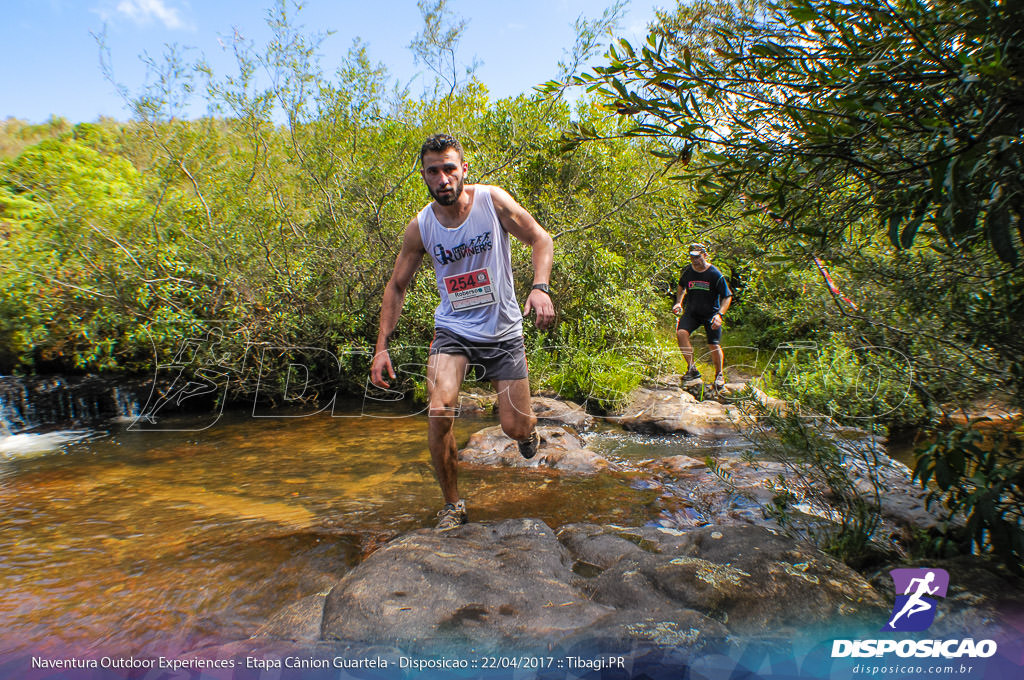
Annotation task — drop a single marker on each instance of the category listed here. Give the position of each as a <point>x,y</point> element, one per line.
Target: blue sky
<point>51,60</point>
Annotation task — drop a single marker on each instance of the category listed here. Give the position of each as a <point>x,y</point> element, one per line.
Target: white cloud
<point>636,31</point>
<point>145,11</point>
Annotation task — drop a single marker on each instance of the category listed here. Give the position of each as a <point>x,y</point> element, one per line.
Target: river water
<point>129,542</point>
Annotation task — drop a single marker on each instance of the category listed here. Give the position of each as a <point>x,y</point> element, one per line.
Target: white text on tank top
<point>473,268</point>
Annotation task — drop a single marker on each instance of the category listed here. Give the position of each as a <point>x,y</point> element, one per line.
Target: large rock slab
<point>517,583</point>
<point>747,396</point>
<point>559,450</point>
<point>750,579</point>
<point>737,490</point>
<point>903,502</point>
<point>485,583</point>
<point>668,409</point>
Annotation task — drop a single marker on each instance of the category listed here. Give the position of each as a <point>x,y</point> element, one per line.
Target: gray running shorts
<point>505,360</point>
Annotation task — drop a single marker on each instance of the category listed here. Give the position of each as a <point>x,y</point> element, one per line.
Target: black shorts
<point>505,360</point>
<point>689,323</point>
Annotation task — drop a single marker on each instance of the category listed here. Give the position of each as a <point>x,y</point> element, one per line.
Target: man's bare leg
<point>514,408</point>
<point>444,378</point>
<point>683,337</point>
<point>717,357</point>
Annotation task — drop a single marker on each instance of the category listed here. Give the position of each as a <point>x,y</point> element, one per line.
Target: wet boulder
<point>549,410</point>
<point>477,402</point>
<point>559,450</point>
<point>518,583</point>
<point>675,410</point>
<point>749,579</point>
<point>486,583</point>
<point>558,412</point>
<point>676,464</point>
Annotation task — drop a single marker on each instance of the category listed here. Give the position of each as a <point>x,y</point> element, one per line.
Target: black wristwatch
<point>542,286</point>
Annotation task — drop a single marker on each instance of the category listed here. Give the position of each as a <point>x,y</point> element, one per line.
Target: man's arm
<point>716,320</point>
<point>677,308</point>
<point>680,292</point>
<point>518,222</point>
<point>408,261</point>
<point>726,300</point>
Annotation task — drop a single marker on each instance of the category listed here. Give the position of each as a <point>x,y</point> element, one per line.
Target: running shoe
<point>692,374</point>
<point>453,515</point>
<point>528,447</point>
<point>719,381</point>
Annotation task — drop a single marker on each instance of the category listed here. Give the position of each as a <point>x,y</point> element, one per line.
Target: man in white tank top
<point>465,230</point>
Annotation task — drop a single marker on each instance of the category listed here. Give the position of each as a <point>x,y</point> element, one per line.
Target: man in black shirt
<point>707,297</point>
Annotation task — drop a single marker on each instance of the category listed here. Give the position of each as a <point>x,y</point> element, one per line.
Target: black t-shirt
<point>704,291</point>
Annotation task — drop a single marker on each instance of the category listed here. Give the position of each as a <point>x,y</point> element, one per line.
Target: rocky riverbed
<point>719,570</point>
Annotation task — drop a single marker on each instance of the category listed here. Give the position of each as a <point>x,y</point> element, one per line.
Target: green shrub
<point>837,477</point>
<point>978,477</point>
<point>854,385</point>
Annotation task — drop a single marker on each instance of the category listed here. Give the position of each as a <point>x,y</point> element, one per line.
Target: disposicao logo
<point>914,611</point>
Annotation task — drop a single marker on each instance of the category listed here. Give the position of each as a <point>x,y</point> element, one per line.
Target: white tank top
<point>473,266</point>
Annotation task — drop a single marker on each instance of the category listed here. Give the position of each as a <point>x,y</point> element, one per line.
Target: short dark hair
<point>439,143</point>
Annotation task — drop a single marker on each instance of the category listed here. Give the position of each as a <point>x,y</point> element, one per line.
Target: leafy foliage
<point>979,476</point>
<point>273,223</point>
<point>906,113</point>
<point>855,385</point>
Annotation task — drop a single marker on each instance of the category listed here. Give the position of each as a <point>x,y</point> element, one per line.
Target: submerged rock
<point>559,450</point>
<point>298,622</point>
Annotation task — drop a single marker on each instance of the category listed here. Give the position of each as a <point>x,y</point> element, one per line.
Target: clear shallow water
<point>161,542</point>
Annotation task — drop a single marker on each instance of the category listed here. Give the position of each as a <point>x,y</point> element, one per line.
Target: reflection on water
<point>158,542</point>
<point>27,445</point>
<point>631,447</point>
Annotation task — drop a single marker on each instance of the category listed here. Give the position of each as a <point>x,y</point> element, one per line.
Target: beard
<point>449,198</point>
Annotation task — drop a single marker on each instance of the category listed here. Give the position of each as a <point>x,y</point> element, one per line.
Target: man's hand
<point>381,363</point>
<point>540,302</point>
<point>716,321</point>
<point>677,308</point>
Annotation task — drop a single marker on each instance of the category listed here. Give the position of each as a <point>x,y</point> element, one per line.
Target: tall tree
<point>907,112</point>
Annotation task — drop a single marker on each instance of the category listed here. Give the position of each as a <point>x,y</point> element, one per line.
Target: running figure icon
<point>916,602</point>
<point>916,605</point>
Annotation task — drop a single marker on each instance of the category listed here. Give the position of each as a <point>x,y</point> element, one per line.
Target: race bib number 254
<point>470,290</point>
